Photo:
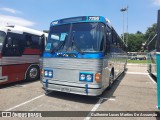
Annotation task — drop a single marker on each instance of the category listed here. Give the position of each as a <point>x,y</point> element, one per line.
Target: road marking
<point>111,99</point>
<point>97,105</point>
<point>25,102</point>
<point>142,65</point>
<point>138,73</point>
<point>151,79</point>
<point>95,108</point>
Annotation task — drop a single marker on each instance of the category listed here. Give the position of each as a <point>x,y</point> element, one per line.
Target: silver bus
<point>83,55</point>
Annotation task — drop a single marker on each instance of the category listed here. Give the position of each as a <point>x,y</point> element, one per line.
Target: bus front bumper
<point>73,89</point>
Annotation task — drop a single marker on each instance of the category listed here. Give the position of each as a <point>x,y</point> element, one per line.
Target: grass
<point>137,61</point>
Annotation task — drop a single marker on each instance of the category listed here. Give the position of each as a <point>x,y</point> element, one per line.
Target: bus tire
<point>33,73</point>
<point>111,80</point>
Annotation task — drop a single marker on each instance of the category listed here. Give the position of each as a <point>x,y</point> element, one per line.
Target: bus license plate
<point>64,89</point>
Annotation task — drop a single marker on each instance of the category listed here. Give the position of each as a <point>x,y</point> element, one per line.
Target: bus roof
<point>21,29</point>
<point>81,19</point>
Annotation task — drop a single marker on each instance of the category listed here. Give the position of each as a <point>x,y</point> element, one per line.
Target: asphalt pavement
<point>135,91</point>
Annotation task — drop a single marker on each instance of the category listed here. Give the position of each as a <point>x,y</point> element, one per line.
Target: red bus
<point>20,50</point>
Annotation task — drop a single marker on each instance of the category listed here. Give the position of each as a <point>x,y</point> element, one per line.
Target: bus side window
<point>33,41</point>
<point>28,41</point>
<point>13,46</point>
<point>9,42</point>
<point>108,38</point>
<point>36,41</point>
<point>119,43</point>
<point>114,38</point>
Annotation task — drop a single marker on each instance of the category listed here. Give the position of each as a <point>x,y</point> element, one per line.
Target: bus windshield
<point>2,38</point>
<point>85,37</point>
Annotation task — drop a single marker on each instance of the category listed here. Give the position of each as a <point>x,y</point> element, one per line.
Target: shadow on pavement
<point>108,94</point>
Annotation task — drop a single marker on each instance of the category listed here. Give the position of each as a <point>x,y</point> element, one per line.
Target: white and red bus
<point>20,50</point>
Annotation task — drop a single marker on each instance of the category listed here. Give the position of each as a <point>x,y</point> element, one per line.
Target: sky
<point>38,14</point>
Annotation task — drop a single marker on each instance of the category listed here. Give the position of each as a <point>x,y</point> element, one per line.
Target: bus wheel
<point>33,73</point>
<point>111,79</point>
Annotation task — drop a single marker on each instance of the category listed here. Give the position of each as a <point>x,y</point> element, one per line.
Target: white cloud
<point>10,10</point>
<point>11,20</point>
<point>156,2</point>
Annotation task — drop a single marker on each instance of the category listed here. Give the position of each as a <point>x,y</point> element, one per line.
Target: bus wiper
<point>57,48</point>
<point>74,44</point>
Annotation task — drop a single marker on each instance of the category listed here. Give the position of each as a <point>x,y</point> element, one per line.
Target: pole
<point>127,28</point>
<point>123,10</point>
<point>123,26</point>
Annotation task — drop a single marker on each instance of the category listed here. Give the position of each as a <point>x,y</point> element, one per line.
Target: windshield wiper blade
<point>57,48</point>
<point>74,44</point>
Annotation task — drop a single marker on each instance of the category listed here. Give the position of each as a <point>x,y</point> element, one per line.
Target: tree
<point>151,31</point>
<point>135,41</point>
<point>139,32</point>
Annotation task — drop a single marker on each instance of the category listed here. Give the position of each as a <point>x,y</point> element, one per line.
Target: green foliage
<point>135,40</point>
<point>151,31</point>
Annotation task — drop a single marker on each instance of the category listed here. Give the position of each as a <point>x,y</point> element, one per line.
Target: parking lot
<point>135,90</point>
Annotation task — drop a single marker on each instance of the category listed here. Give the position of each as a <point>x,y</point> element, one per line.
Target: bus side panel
<point>29,51</point>
<point>14,72</point>
<point>106,71</point>
<point>118,60</point>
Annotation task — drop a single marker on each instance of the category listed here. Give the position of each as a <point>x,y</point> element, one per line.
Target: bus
<point>20,50</point>
<point>158,59</point>
<point>83,55</point>
<point>151,56</point>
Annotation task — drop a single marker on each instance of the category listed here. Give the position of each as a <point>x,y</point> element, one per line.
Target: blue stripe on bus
<point>57,22</point>
<point>86,88</point>
<point>46,84</point>
<point>158,79</point>
<point>73,55</point>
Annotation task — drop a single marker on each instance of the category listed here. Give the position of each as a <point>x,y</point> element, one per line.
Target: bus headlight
<point>48,73</point>
<point>82,77</point>
<point>86,77</point>
<point>45,73</point>
<point>89,78</point>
